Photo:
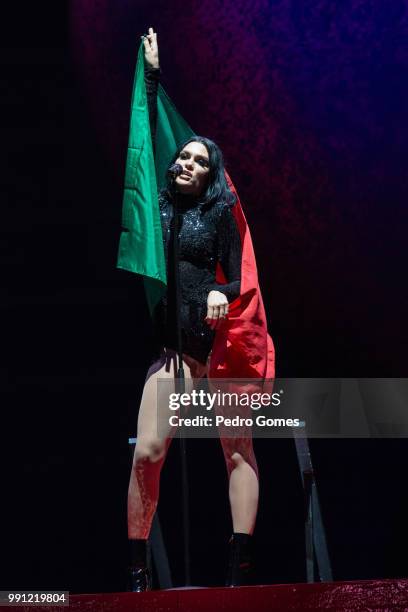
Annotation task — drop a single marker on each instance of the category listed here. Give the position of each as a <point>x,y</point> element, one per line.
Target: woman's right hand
<point>151,49</point>
<point>217,309</point>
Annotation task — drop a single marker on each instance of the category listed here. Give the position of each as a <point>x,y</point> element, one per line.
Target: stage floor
<point>337,596</point>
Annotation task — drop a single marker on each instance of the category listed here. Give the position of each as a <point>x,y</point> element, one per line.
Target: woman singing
<point>208,234</point>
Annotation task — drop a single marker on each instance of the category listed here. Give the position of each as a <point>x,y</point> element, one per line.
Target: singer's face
<point>196,168</point>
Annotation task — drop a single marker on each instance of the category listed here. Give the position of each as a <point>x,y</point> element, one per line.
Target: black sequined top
<point>206,235</point>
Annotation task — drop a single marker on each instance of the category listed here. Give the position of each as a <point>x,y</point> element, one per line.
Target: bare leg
<point>151,450</point>
<point>243,483</point>
<point>242,473</point>
<point>148,458</point>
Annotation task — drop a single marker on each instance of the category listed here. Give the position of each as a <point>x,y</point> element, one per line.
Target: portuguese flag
<point>242,346</point>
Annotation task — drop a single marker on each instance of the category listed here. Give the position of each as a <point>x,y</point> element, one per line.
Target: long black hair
<point>217,188</point>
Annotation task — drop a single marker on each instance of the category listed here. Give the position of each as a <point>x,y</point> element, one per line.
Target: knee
<point>241,463</point>
<point>234,461</point>
<point>151,451</point>
<point>237,459</point>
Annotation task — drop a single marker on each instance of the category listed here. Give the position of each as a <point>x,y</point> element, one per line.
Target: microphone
<point>174,171</point>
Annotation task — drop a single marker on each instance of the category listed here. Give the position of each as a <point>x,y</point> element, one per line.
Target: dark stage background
<point>308,101</point>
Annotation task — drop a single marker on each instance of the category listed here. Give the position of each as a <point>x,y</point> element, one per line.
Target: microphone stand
<point>180,388</point>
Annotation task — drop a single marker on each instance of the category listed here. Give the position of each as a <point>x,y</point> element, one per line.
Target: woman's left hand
<point>217,309</point>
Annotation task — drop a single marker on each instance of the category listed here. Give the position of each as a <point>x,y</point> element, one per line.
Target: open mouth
<point>186,174</point>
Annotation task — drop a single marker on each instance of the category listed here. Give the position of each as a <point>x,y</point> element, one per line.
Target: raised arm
<point>151,50</point>
<point>152,77</point>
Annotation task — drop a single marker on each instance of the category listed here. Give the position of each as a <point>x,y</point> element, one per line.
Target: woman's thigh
<point>153,421</point>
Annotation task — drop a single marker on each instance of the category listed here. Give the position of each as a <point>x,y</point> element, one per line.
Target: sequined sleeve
<point>229,254</point>
<point>152,78</point>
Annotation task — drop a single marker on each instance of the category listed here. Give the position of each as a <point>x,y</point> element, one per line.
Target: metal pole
<point>180,388</point>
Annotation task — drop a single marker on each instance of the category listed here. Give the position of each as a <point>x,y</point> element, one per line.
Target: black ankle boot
<point>240,569</point>
<point>139,575</point>
<point>139,579</point>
